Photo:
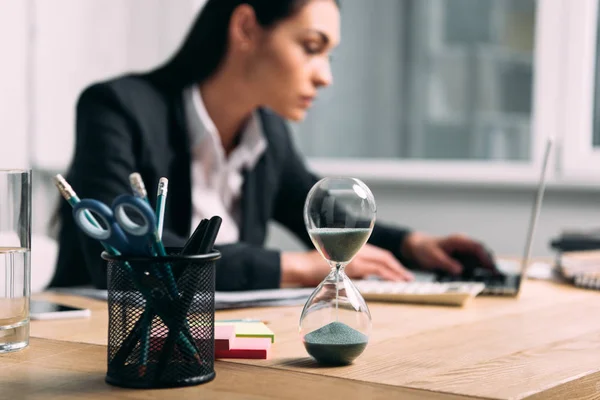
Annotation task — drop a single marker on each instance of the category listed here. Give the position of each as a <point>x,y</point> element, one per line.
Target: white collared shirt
<point>216,179</point>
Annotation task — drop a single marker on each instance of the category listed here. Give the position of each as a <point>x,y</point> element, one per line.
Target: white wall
<point>497,215</point>
<point>13,84</point>
<point>79,42</point>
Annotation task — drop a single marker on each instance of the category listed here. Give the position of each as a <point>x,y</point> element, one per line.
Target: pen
<point>208,240</point>
<point>193,243</point>
<point>161,199</point>
<point>203,238</point>
<point>206,232</point>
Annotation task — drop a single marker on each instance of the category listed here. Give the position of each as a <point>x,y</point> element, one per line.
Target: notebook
<point>581,268</point>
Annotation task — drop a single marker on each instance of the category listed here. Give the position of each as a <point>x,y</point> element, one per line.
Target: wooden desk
<point>546,344</point>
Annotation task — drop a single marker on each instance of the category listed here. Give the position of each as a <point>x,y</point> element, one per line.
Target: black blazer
<point>136,124</point>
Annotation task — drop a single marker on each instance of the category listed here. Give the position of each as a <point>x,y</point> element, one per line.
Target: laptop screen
<point>535,213</point>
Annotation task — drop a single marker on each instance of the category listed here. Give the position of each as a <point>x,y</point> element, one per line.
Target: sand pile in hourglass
<point>335,324</point>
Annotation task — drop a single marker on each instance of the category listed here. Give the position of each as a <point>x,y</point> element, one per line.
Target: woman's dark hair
<point>206,43</point>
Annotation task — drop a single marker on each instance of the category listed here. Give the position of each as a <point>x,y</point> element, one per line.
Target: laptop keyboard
<point>494,284</point>
<point>443,293</point>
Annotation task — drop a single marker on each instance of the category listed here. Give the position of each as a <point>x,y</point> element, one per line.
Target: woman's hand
<point>431,252</point>
<point>372,260</point>
<point>309,268</point>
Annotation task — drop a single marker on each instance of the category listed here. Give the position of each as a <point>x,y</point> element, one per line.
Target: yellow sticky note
<point>250,329</point>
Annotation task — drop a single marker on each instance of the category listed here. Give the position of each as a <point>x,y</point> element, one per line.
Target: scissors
<point>121,233</point>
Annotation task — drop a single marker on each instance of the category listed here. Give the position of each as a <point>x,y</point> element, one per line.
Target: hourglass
<point>335,324</point>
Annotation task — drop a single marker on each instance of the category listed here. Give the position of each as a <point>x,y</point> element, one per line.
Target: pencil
<point>138,187</point>
<point>161,199</point>
<point>69,194</point>
<point>139,190</point>
<point>145,342</point>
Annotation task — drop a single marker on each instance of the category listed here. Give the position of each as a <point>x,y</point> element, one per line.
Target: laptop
<point>505,283</point>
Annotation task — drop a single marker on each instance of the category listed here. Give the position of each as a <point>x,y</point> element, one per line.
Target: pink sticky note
<point>224,337</point>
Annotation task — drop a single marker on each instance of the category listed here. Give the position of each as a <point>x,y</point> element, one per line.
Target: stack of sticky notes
<point>242,339</point>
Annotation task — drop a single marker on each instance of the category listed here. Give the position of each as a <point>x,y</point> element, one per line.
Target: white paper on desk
<point>91,293</point>
<point>262,298</point>
<point>225,300</point>
<point>263,295</point>
<point>269,303</point>
<point>536,270</point>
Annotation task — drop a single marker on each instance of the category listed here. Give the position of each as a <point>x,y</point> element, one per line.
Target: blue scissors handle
<point>139,236</point>
<point>118,230</point>
<point>111,234</point>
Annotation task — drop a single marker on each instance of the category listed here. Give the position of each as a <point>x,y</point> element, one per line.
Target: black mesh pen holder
<point>161,314</point>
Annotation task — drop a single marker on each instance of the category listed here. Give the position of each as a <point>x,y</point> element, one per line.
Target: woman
<point>211,120</point>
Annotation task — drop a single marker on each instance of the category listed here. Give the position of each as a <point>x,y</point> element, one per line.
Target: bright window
<point>439,89</point>
<point>581,100</point>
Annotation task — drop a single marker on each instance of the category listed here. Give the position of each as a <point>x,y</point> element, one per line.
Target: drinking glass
<point>15,260</point>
